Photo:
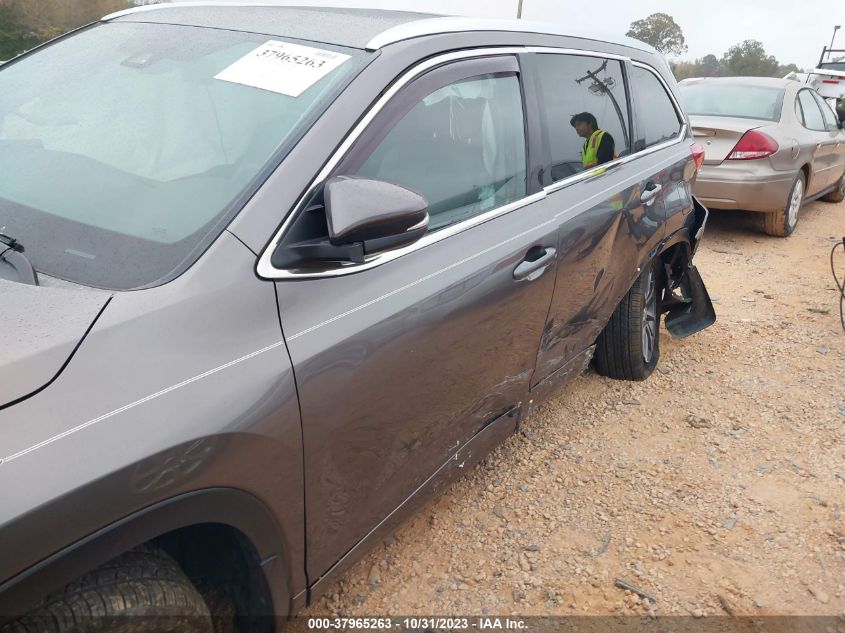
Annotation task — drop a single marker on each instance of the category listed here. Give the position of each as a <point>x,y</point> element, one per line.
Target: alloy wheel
<point>649,316</point>
<point>795,203</point>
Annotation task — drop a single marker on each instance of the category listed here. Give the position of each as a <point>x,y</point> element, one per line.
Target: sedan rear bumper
<point>746,185</point>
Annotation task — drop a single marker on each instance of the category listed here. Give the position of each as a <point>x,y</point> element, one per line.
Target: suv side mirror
<point>378,214</point>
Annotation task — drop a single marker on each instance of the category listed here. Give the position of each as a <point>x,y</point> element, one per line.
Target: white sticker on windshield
<point>288,69</point>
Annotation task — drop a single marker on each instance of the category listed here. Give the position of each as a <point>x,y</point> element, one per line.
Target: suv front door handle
<point>533,265</point>
<point>651,190</point>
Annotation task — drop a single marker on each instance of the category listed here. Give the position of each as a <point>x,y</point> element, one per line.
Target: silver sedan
<point>769,145</point>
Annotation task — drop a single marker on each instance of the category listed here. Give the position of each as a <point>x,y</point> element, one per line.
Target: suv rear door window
<point>574,84</point>
<point>462,147</point>
<point>657,118</point>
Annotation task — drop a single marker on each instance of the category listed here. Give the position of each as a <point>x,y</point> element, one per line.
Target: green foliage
<point>14,36</point>
<point>27,23</point>
<point>707,66</point>
<point>746,59</point>
<point>742,60</point>
<point>661,31</point>
<point>749,59</point>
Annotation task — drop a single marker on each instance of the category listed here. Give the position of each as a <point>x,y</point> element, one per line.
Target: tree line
<point>748,58</point>
<point>27,23</point>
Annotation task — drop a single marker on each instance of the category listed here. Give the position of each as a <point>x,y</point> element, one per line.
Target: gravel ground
<point>716,486</point>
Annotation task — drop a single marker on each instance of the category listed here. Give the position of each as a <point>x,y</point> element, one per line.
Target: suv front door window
<point>462,147</point>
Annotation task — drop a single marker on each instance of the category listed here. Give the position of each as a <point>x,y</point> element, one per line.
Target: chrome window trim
<point>628,178</point>
<point>265,268</point>
<point>454,264</point>
<point>599,170</point>
<point>388,256</point>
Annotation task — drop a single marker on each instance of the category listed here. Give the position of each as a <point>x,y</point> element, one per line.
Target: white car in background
<point>828,79</point>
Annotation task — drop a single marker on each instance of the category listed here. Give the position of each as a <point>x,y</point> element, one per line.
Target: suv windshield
<point>747,102</point>
<point>124,149</point>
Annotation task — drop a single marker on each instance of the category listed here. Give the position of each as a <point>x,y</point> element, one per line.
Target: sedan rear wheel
<point>838,194</point>
<point>782,223</point>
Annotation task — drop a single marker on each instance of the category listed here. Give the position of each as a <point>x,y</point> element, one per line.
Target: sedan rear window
<point>124,149</point>
<point>746,102</point>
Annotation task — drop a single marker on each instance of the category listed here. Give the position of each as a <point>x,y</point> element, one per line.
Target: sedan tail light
<point>697,155</point>
<point>753,145</point>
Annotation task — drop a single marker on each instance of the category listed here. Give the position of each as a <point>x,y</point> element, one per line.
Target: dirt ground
<point>716,486</point>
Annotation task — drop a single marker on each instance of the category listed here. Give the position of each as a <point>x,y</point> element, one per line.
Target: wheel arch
<point>805,169</point>
<point>210,518</point>
<point>679,243</point>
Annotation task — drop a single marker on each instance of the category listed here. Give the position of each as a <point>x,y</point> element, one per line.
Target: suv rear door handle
<point>531,268</point>
<point>651,190</point>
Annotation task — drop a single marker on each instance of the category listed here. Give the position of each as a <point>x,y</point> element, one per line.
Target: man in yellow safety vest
<point>599,146</point>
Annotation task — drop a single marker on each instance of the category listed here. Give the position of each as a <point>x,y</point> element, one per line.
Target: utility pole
<point>604,89</point>
<point>519,14</point>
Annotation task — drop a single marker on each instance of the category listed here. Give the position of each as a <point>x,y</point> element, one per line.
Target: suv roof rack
<point>419,27</point>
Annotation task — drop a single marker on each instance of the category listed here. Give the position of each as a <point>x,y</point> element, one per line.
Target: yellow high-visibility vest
<point>590,153</point>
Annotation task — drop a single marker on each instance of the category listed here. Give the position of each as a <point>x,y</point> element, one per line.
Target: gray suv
<point>272,277</point>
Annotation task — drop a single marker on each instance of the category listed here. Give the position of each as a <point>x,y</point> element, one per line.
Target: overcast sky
<point>794,31</point>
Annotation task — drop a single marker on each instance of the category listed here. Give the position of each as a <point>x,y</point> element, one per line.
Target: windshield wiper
<point>11,252</point>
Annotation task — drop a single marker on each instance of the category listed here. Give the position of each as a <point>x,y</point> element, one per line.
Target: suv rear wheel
<point>141,591</point>
<point>629,346</point>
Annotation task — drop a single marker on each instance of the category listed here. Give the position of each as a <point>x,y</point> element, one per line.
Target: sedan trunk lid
<point>40,328</point>
<point>718,135</point>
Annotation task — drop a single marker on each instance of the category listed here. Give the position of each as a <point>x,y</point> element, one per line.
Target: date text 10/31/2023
<point>483,623</point>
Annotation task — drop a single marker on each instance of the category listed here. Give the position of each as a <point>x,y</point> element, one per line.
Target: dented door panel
<point>605,234</point>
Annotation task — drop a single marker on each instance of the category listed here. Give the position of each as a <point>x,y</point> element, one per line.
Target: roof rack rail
<point>421,27</point>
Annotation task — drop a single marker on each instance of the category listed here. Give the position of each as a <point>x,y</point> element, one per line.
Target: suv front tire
<point>141,591</point>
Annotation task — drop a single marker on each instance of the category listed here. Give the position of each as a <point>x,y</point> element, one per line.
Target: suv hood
<point>40,327</point>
